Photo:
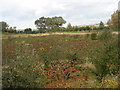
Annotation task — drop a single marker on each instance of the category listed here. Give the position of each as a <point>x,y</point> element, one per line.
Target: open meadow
<point>60,44</point>
<point>61,61</point>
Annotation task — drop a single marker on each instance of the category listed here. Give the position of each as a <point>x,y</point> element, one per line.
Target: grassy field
<point>62,61</point>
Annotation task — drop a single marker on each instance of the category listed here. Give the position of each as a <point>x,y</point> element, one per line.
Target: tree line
<point>55,24</point>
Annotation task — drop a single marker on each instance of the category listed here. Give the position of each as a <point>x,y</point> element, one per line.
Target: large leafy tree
<point>40,23</point>
<point>49,23</point>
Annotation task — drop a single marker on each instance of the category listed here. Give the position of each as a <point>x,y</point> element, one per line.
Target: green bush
<point>21,76</point>
<point>107,61</point>
<point>105,35</point>
<point>21,72</point>
<point>13,79</point>
<point>93,36</point>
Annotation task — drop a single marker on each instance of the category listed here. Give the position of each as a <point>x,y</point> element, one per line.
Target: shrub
<point>59,72</point>
<point>107,61</point>
<point>15,79</point>
<point>21,72</point>
<point>105,35</point>
<point>93,36</point>
<point>28,30</point>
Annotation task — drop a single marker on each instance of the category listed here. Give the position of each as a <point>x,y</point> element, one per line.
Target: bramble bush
<point>58,72</point>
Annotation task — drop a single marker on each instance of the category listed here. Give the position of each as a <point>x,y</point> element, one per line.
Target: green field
<point>77,61</point>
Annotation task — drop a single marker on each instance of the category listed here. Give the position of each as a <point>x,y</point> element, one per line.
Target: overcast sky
<point>23,13</point>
